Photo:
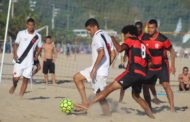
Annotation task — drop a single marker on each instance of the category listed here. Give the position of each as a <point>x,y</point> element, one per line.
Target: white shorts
<point>98,83</point>
<point>19,71</point>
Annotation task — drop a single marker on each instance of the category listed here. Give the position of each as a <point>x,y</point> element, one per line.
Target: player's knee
<point>39,68</point>
<point>15,79</point>
<point>103,101</point>
<point>135,96</point>
<point>166,85</point>
<point>75,77</point>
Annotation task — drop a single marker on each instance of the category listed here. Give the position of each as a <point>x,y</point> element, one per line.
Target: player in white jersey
<point>103,54</point>
<point>23,55</point>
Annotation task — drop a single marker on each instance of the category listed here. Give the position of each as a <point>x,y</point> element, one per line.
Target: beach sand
<point>41,102</point>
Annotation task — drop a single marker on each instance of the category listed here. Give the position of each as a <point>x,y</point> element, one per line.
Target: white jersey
<point>97,43</point>
<point>23,39</point>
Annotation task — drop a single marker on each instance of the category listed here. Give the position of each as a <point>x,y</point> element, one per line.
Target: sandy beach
<point>41,103</point>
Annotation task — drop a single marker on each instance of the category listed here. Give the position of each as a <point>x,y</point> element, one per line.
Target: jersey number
<point>143,51</point>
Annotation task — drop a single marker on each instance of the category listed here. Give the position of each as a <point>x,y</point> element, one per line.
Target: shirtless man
<point>184,80</point>
<point>49,59</point>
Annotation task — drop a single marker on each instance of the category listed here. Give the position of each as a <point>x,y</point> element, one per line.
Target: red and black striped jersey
<point>158,47</point>
<point>138,56</point>
<point>141,35</point>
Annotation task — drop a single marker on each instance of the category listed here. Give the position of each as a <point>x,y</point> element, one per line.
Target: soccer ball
<point>66,105</point>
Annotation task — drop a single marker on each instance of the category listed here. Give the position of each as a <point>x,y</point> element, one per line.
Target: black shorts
<point>48,66</point>
<point>163,75</point>
<point>127,79</point>
<point>36,62</point>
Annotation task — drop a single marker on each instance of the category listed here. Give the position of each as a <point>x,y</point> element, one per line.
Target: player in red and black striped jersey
<point>135,72</point>
<point>139,26</point>
<point>158,46</point>
<point>152,88</point>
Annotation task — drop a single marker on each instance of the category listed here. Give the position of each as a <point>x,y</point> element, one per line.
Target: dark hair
<point>139,23</point>
<point>153,21</point>
<point>30,20</point>
<point>130,29</point>
<point>91,22</point>
<point>185,68</point>
<point>48,37</point>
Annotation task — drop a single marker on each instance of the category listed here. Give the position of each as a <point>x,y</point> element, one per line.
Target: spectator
<point>184,80</point>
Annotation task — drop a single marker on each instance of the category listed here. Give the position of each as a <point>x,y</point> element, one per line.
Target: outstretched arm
<point>113,55</point>
<point>119,47</point>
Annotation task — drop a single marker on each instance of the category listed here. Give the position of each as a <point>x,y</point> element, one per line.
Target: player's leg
<point>23,86</point>
<point>154,93</point>
<point>147,95</point>
<point>136,89</point>
<point>99,85</point>
<point>105,106</point>
<point>170,95</point>
<point>149,81</point>
<point>122,93</point>
<point>13,88</point>
<point>27,74</point>
<point>164,81</point>
<point>109,89</point>
<point>79,82</point>
<point>17,71</point>
<point>124,81</point>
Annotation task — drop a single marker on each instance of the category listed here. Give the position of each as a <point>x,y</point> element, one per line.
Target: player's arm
<point>172,56</point>
<point>168,46</point>
<point>39,48</point>
<point>125,57</point>
<point>15,46</point>
<point>119,47</point>
<point>101,54</point>
<point>149,57</point>
<point>38,52</point>
<point>113,55</point>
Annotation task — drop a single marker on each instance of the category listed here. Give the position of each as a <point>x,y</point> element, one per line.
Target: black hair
<point>30,20</point>
<point>185,68</point>
<point>139,23</point>
<point>153,21</point>
<point>49,37</point>
<point>130,29</point>
<point>91,22</point>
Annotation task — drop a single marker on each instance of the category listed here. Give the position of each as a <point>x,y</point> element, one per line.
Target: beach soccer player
<point>103,54</point>
<point>23,55</point>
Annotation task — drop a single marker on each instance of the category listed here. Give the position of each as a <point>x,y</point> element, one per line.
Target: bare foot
<point>12,90</point>
<point>172,110</point>
<point>156,101</point>
<point>54,83</point>
<point>150,114</point>
<point>81,107</point>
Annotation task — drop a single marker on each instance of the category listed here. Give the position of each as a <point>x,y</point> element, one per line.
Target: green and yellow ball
<point>66,106</point>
